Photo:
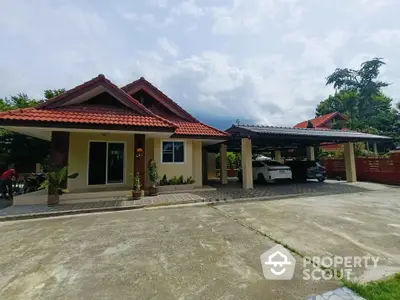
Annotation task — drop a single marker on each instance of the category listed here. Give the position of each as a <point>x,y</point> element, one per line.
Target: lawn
<point>379,290</point>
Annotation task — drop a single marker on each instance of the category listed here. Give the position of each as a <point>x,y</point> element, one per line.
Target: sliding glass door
<point>106,162</point>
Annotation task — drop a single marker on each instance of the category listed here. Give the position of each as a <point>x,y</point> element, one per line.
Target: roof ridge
<point>70,91</point>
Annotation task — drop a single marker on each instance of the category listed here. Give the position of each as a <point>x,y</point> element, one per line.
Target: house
<point>325,122</point>
<point>107,133</point>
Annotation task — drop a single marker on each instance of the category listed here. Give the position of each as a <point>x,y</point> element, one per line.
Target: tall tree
<point>358,94</point>
<point>48,94</point>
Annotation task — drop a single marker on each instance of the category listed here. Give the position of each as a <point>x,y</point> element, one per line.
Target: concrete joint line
<point>248,226</point>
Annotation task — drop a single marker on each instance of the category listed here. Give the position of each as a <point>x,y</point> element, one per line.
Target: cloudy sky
<point>255,60</point>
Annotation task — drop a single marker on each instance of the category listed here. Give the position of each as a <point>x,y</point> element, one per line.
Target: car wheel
<point>260,178</point>
<point>321,179</point>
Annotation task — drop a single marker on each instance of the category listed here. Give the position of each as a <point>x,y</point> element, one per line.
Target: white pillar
<point>247,168</point>
<point>278,155</point>
<point>223,164</point>
<point>310,153</point>
<point>375,148</point>
<point>350,162</point>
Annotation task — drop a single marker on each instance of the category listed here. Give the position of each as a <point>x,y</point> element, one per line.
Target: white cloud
<point>385,36</point>
<point>188,7</point>
<point>168,46</point>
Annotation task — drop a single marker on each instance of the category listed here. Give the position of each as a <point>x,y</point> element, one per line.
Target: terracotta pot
<point>136,195</point>
<point>153,191</point>
<point>231,173</point>
<point>53,199</point>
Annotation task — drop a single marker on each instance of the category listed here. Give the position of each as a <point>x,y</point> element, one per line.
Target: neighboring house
<point>107,134</point>
<point>325,122</point>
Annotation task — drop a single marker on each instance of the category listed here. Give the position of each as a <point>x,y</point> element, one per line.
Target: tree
<point>14,147</point>
<point>359,96</point>
<point>53,93</point>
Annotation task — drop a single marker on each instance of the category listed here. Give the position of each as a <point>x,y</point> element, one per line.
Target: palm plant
<point>54,181</point>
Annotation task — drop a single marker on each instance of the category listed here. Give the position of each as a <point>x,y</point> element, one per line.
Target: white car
<point>270,170</point>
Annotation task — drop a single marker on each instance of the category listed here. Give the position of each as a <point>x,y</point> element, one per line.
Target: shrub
<point>180,179</point>
<point>164,180</point>
<point>174,181</point>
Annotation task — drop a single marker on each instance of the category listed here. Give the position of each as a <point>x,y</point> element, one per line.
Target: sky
<point>259,61</point>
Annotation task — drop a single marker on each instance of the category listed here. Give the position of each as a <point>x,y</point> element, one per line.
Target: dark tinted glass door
<point>115,169</point>
<point>97,162</point>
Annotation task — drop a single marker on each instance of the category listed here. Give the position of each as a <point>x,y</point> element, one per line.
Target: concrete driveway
<point>176,253</point>
<point>356,224</point>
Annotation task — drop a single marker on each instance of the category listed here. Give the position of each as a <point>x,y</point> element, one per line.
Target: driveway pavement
<point>175,253</point>
<point>353,224</point>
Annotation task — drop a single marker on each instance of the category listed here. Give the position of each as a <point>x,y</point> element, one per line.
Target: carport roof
<point>267,138</point>
<point>327,135</point>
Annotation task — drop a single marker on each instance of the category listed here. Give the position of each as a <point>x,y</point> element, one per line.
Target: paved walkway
<point>226,193</point>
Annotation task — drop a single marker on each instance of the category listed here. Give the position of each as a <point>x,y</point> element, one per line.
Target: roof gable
<point>321,120</point>
<point>164,100</point>
<point>85,92</point>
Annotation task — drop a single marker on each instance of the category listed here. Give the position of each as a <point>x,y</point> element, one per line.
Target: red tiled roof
<point>58,110</point>
<point>320,120</point>
<point>100,116</point>
<point>198,128</point>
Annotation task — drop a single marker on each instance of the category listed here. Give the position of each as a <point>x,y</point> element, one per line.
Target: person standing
<point>6,180</point>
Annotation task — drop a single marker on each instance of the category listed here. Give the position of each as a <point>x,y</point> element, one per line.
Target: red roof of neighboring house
<point>319,121</point>
<point>64,108</point>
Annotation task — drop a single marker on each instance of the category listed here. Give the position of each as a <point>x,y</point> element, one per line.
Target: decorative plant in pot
<point>54,182</point>
<point>137,187</point>
<point>153,176</point>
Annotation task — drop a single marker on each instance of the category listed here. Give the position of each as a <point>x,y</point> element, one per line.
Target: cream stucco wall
<point>188,168</point>
<point>79,157</point>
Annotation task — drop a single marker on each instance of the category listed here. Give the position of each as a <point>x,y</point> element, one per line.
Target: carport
<point>249,139</point>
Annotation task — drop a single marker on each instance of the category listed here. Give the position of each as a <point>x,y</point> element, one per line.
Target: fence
<point>374,169</point>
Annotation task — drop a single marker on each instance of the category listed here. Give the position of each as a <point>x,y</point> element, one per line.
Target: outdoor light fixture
<point>139,152</point>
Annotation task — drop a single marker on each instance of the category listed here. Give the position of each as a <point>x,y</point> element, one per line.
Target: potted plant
<point>137,187</point>
<point>153,176</point>
<point>54,182</point>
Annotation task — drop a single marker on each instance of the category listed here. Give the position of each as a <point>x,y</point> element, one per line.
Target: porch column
<point>350,162</point>
<point>59,152</point>
<point>139,165</point>
<point>278,155</point>
<point>197,163</point>
<point>310,153</point>
<point>223,164</point>
<point>375,148</point>
<point>247,167</point>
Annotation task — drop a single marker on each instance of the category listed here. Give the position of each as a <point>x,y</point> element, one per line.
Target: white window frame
<point>184,152</point>
<point>124,164</point>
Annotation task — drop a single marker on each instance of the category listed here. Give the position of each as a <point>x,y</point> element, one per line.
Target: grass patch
<point>378,290</point>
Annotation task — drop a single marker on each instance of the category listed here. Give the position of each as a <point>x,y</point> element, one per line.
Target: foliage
<point>13,146</point>
<point>233,160</point>
<point>54,181</point>
<point>53,93</point>
<point>380,290</point>
<point>358,95</point>
<point>152,169</point>
<point>309,124</point>
<point>176,180</point>
<point>137,186</point>
<point>164,180</point>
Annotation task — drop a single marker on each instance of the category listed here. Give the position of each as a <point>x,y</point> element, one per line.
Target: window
<point>173,152</point>
<point>106,163</point>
